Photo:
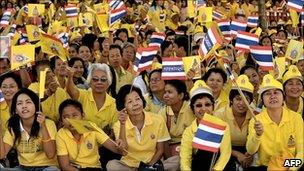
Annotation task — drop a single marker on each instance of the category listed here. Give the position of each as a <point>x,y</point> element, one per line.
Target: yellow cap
<point>292,72</point>
<point>244,84</point>
<point>200,87</point>
<point>269,83</point>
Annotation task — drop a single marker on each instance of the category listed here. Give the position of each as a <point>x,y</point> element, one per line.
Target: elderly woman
<point>293,87</point>
<point>201,103</point>
<point>237,116</point>
<point>277,131</point>
<point>99,107</point>
<point>143,132</point>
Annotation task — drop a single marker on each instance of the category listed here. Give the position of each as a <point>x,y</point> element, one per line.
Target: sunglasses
<point>103,80</point>
<point>201,105</point>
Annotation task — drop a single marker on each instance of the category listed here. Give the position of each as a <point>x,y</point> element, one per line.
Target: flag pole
<point>213,161</point>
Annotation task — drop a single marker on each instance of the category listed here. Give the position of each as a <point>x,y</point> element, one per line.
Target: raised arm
<point>71,87</point>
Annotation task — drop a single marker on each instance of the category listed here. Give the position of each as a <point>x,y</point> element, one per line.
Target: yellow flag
<point>101,8</point>
<point>258,31</point>
<point>86,19</point>
<point>33,33</point>
<point>34,10</point>
<point>190,9</point>
<point>83,126</point>
<point>53,46</point>
<point>72,22</point>
<point>102,22</point>
<point>193,62</point>
<point>205,14</point>
<point>42,77</point>
<point>280,67</point>
<point>294,17</point>
<point>22,55</point>
<point>294,50</point>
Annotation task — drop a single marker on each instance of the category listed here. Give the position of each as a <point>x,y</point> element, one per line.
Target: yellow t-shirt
<point>5,115</point>
<point>106,115</point>
<point>221,101</point>
<point>179,124</point>
<point>288,135</point>
<point>30,151</point>
<point>151,106</point>
<point>187,150</point>
<point>83,153</point>
<point>123,77</point>
<point>142,144</point>
<point>238,135</point>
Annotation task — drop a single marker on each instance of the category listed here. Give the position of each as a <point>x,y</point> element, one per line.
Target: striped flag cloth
<point>173,69</point>
<point>1,97</point>
<point>211,40</point>
<point>302,18</point>
<point>237,26</point>
<point>244,40</point>
<point>252,21</point>
<point>116,4</point>
<point>216,15</point>
<point>209,134</point>
<point>263,56</point>
<point>64,38</point>
<point>71,11</point>
<point>224,26</point>
<point>157,39</point>
<point>116,14</point>
<point>296,5</point>
<point>12,30</point>
<point>5,18</point>
<point>144,58</point>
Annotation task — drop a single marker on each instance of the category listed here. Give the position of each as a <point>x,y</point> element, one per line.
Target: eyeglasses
<point>103,80</point>
<point>201,105</point>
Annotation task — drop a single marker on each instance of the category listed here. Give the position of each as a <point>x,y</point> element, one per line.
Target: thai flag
<point>173,69</point>
<point>263,56</point>
<point>116,14</point>
<point>217,15</point>
<point>157,39</point>
<point>116,4</point>
<point>229,73</point>
<point>144,58</point>
<point>224,26</point>
<point>244,40</point>
<point>237,26</point>
<point>296,5</point>
<point>12,30</point>
<point>25,9</point>
<point>302,18</point>
<point>211,39</point>
<point>252,21</point>
<point>64,38</point>
<point>71,11</point>
<point>209,134</point>
<point>1,97</point>
<point>6,18</point>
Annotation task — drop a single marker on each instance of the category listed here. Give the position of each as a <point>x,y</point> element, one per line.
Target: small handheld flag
<point>144,58</point>
<point>42,77</point>
<point>244,40</point>
<point>252,21</point>
<point>5,20</point>
<point>172,68</point>
<point>116,14</point>
<point>263,56</point>
<point>216,15</point>
<point>71,11</point>
<point>116,4</point>
<point>295,5</point>
<point>237,26</point>
<point>209,134</point>
<point>224,26</point>
<point>157,39</point>
<point>22,55</point>
<point>1,97</point>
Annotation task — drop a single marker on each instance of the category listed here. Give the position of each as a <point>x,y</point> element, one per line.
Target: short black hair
<point>37,64</point>
<point>180,87</point>
<point>70,102</point>
<point>53,62</point>
<point>122,94</point>
<point>233,93</point>
<point>72,61</point>
<point>12,75</point>
<point>215,70</point>
<point>182,41</point>
<point>114,46</point>
<point>164,46</point>
<point>244,68</point>
<point>200,96</point>
<point>122,30</point>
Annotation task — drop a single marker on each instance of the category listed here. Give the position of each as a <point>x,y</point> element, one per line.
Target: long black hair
<point>14,121</point>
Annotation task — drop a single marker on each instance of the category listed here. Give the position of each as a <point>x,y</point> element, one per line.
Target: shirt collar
<point>107,102</point>
<point>231,117</point>
<point>284,119</point>
<point>148,121</point>
<point>23,130</point>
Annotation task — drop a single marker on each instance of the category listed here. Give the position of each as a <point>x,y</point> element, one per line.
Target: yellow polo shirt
<point>106,115</point>
<point>142,144</point>
<point>288,135</point>
<point>151,106</point>
<point>179,124</point>
<point>30,151</point>
<point>123,77</point>
<point>221,101</point>
<point>5,115</point>
<point>238,135</point>
<point>187,150</point>
<point>84,152</point>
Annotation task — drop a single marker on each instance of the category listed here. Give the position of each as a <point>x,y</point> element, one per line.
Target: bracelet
<point>45,141</point>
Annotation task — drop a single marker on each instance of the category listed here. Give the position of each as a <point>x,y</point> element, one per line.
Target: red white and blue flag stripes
<point>116,4</point>
<point>5,20</point>
<point>244,40</point>
<point>211,39</point>
<point>157,39</point>
<point>144,58</point>
<point>252,21</point>
<point>217,15</point>
<point>224,26</point>
<point>173,69</point>
<point>116,14</point>
<point>296,5</point>
<point>263,56</point>
<point>71,11</point>
<point>237,26</point>
<point>1,97</point>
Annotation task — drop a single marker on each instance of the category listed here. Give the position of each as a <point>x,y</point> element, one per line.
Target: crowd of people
<point>142,121</point>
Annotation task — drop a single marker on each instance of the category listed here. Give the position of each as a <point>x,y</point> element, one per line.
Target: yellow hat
<point>244,84</point>
<point>200,87</point>
<point>269,83</point>
<point>292,72</point>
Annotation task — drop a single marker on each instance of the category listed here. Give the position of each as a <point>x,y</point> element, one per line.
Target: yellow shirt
<point>123,77</point>
<point>5,115</point>
<point>106,115</point>
<point>142,144</point>
<point>151,106</point>
<point>157,18</point>
<point>179,124</point>
<point>84,152</point>
<point>34,87</point>
<point>248,9</point>
<point>30,151</point>
<point>221,101</point>
<point>288,135</point>
<point>300,107</point>
<point>186,149</point>
<point>238,135</point>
